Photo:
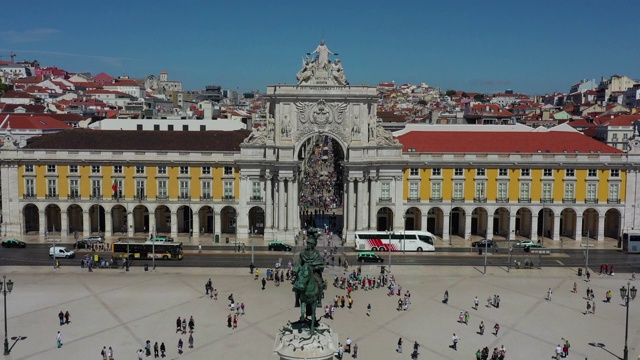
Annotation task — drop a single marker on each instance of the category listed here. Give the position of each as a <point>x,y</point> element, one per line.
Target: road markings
<point>560,262</point>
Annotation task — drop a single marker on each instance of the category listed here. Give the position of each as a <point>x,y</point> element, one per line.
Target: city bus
<point>145,250</point>
<point>409,240</point>
<point>631,242</point>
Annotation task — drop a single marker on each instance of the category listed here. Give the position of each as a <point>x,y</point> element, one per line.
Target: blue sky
<point>478,46</point>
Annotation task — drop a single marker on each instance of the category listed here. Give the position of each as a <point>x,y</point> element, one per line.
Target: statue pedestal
<point>294,341</point>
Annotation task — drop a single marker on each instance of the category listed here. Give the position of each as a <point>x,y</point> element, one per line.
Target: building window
<point>436,172</point>
<point>206,189</point>
<point>503,191</point>
<point>28,168</point>
<point>185,127</point>
<point>458,172</point>
<point>592,173</point>
<point>162,189</point>
<point>184,170</point>
<point>615,172</point>
<point>74,188</point>
<point>30,188</point>
<point>228,170</point>
<point>547,192</point>
<point>170,127</point>
<point>481,172</point>
<point>51,168</point>
<point>228,189</point>
<point>569,192</point>
<point>385,191</point>
<point>524,191</point>
<point>139,169</point>
<point>570,173</point>
<point>414,172</point>
<point>547,172</point>
<point>95,169</point>
<point>52,187</point>
<point>206,170</point>
<point>140,190</point>
<point>525,172</point>
<point>413,191</point>
<point>184,189</point>
<point>73,169</point>
<point>117,169</point>
<point>503,172</point>
<point>592,192</point>
<point>119,185</point>
<point>458,191</point>
<point>256,191</point>
<point>436,191</point>
<point>481,188</point>
<point>614,193</point>
<point>96,189</point>
<point>162,170</point>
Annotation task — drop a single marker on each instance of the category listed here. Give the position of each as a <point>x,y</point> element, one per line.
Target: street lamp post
<point>6,286</point>
<point>510,249</point>
<point>625,292</point>
<point>486,250</point>
<point>404,231</point>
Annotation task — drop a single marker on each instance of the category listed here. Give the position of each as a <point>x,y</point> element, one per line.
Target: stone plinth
<point>294,342</point>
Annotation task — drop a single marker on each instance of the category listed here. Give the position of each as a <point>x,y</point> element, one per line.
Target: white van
<point>61,252</point>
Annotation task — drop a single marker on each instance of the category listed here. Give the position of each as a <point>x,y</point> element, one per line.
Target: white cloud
<point>32,35</point>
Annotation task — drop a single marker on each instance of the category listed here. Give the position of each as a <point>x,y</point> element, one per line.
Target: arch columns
<point>195,227</point>
<point>446,226</point>
<point>108,223</point>
<point>398,221</point>
<point>423,220</point>
<point>534,226</point>
<point>361,210</point>
<point>130,224</point>
<point>467,224</point>
<point>86,223</point>
<point>174,223</point>
<point>268,214</point>
<point>281,204</point>
<point>43,222</point>
<point>600,227</point>
<point>152,223</point>
<point>351,210</point>
<point>578,227</point>
<point>489,226</point>
<point>373,194</point>
<point>64,223</point>
<point>556,226</point>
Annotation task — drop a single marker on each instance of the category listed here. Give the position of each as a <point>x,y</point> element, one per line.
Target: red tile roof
<point>17,95</point>
<point>621,120</point>
<point>501,142</point>
<point>37,121</point>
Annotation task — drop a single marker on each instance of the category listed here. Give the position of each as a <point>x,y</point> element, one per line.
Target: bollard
<point>146,267</point>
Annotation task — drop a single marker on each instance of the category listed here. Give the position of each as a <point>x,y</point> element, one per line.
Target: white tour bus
<point>409,240</point>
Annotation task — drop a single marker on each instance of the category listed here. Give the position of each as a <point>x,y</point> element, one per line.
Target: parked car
<point>527,243</point>
<point>483,243</point>
<point>61,252</point>
<point>94,239</point>
<point>9,243</point>
<point>81,244</point>
<point>279,246</point>
<point>369,256</point>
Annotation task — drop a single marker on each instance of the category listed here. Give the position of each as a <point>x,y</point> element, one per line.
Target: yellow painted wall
<point>447,184</point>
<point>63,181</point>
<point>152,183</point>
<point>173,184</point>
<point>469,184</point>
<point>236,183</point>
<point>41,181</point>
<point>536,186</point>
<point>425,185</point>
<point>623,185</point>
<point>581,185</point>
<point>85,181</point>
<point>491,191</point>
<point>558,185</point>
<point>21,189</point>
<point>216,186</point>
<point>405,184</point>
<point>514,184</point>
<point>129,181</point>
<point>196,188</point>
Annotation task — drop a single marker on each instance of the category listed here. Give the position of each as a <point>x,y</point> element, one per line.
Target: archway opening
<point>163,220</point>
<point>457,221</point>
<point>256,220</point>
<point>413,219</point>
<point>228,216</point>
<point>140,219</point>
<point>30,219</point>
<point>590,223</point>
<point>205,215</point>
<point>435,218</point>
<point>185,219</point>
<point>479,220</point>
<point>119,219</point>
<point>568,223</point>
<point>523,222</point>
<point>501,223</point>
<point>321,186</point>
<point>74,214</point>
<point>96,218</point>
<point>612,223</point>
<point>384,219</point>
<point>545,223</point>
<point>52,218</point>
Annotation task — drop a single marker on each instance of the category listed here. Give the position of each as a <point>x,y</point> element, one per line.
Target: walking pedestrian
<point>199,248</point>
<point>147,348</point>
<point>178,325</point>
<point>588,308</point>
<point>496,328</point>
<point>466,317</point>
<point>110,353</point>
<point>264,283</point>
<point>558,352</point>
<point>192,324</point>
<point>215,294</point>
<point>567,345</point>
<point>229,320</point>
<point>455,339</point>
<point>191,341</point>
<point>481,328</point>
<point>104,353</point>
<point>399,349</point>
<point>575,287</point>
<point>355,351</point>
<point>180,344</point>
<point>59,340</point>
<point>163,349</point>
<point>67,316</point>
<point>475,303</point>
<point>348,343</point>
<point>445,299</point>
<point>235,321</point>
<point>593,307</point>
<point>155,349</point>
<point>549,292</point>
<point>415,346</point>
<point>369,310</point>
<point>140,354</point>
<point>588,276</point>
<point>61,317</point>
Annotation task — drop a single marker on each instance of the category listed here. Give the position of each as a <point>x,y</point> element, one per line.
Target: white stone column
<point>359,210</point>
<point>446,235</point>
<point>398,211</point>
<point>196,225</point>
<point>152,224</point>
<point>108,223</point>
<point>423,221</point>
<point>534,226</point>
<point>130,224</point>
<point>365,203</point>
<point>174,224</point>
<point>373,198</point>
<point>512,227</point>
<point>351,206</point>
<point>295,204</point>
<point>600,227</point>
<point>489,227</point>
<point>578,227</point>
<point>290,204</point>
<point>556,227</point>
<point>467,225</point>
<point>86,223</point>
<point>64,223</point>
<point>43,222</point>
<point>217,224</point>
<point>281,204</point>
<point>268,213</point>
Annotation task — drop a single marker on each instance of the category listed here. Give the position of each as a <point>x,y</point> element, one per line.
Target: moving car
<point>483,243</point>
<point>525,244</point>
<point>61,252</point>
<point>369,256</point>
<point>278,246</point>
<point>9,243</point>
<point>94,239</point>
<point>81,244</point>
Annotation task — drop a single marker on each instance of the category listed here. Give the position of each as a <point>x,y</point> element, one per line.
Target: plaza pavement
<point>121,309</point>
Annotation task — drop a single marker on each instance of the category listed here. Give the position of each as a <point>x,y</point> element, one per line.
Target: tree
<point>4,87</point>
<point>478,97</point>
<point>450,92</point>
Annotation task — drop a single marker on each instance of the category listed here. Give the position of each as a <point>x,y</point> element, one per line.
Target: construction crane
<point>13,56</point>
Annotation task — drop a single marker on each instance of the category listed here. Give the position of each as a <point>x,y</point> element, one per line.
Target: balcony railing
<point>546,201</point>
<point>29,196</point>
<point>435,199</point>
<point>117,197</point>
<point>569,201</point>
<point>184,197</point>
<point>140,197</point>
<point>256,198</point>
<point>591,201</point>
<point>613,201</point>
<point>228,198</point>
<point>524,200</point>
<point>95,197</point>
<point>413,199</point>
<point>480,199</point>
<point>384,199</point>
<point>502,200</point>
<point>457,200</point>
<point>162,197</point>
<point>205,197</point>
<point>51,196</point>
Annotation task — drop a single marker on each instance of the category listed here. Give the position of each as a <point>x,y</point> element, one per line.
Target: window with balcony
<point>74,189</point>
<point>547,192</point>
<point>51,168</point>
<point>228,190</point>
<point>547,172</point>
<point>458,191</point>
<point>141,193</point>
<point>525,194</point>
<point>436,192</point>
<point>256,191</point>
<point>592,173</point>
<point>162,189</point>
<point>29,188</point>
<point>95,169</point>
<point>52,188</point>
<point>206,170</point>
<point>503,172</point>
<point>503,192</point>
<point>414,172</point>
<point>139,169</point>
<point>481,172</point>
<point>162,170</point>
<point>436,172</point>
<point>458,172</point>
<point>73,169</point>
<point>614,193</point>
<point>119,189</point>
<point>569,193</point>
<point>206,190</point>
<point>615,173</point>
<point>117,169</point>
<point>592,193</point>
<point>570,172</point>
<point>385,191</point>
<point>96,189</point>
<point>525,172</point>
<point>28,168</point>
<point>413,192</point>
<point>184,190</point>
<point>480,194</point>
<point>184,170</point>
<point>228,170</point>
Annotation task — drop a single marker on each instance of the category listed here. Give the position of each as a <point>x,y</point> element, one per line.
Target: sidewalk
<point>124,309</point>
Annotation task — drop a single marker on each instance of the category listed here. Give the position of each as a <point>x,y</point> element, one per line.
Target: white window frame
<point>570,173</point>
<point>436,172</point>
<point>206,189</point>
<point>184,187</point>
<point>95,169</point>
<point>385,190</point>
<point>525,172</point>
<point>117,169</point>
<point>162,170</point>
<point>206,170</point>
<point>51,169</point>
<point>162,189</point>
<point>30,187</point>
<point>74,188</point>
<point>184,170</point>
<point>525,191</point>
<point>414,172</point>
<point>436,190</point>
<point>503,191</point>
<point>481,172</point>
<point>227,188</point>
<point>458,190</point>
<point>139,170</point>
<point>28,168</point>
<point>414,190</point>
<point>228,170</point>
<point>481,190</point>
<point>592,173</point>
<point>141,188</point>
<point>458,172</point>
<point>503,172</point>
<point>614,192</point>
<point>547,172</point>
<point>592,192</point>
<point>73,169</point>
<point>52,187</point>
<point>547,192</point>
<point>96,188</point>
<point>615,173</point>
<point>569,191</point>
